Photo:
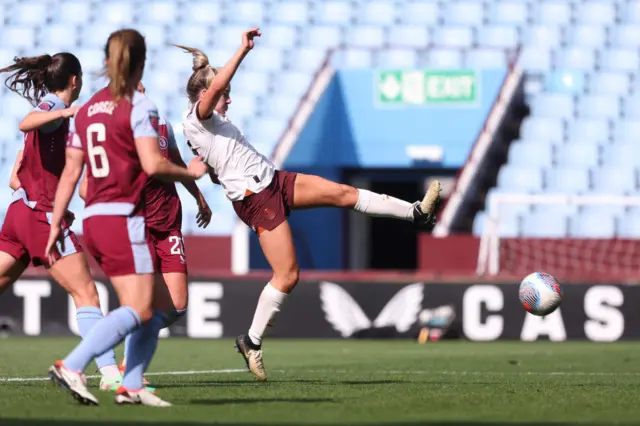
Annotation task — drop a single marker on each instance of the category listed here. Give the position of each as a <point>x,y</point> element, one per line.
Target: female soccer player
<point>263,196</point>
<point>52,83</point>
<point>163,218</point>
<point>116,134</point>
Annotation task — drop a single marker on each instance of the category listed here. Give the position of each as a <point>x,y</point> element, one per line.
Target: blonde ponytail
<point>202,75</point>
<point>126,53</point>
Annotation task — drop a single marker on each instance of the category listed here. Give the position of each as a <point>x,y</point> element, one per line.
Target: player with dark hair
<point>116,135</point>
<point>263,196</point>
<point>52,84</point>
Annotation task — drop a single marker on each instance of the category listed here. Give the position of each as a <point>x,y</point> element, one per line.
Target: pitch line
<point>159,373</point>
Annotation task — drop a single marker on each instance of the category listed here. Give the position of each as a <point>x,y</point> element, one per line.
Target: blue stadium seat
<point>553,12</point>
<point>158,82</point>
<point>625,35</point>
<point>245,12</point>
<point>478,224</point>
<point>30,13</point>
<point>282,36</point>
<point>576,58</point>
<point>229,36</point>
<point>414,36</point>
<point>499,36</point>
<point>599,106</point>
<point>420,12</point>
<point>377,12</point>
<point>626,131</point>
<point>191,35</point>
<point>535,59</point>
<point>203,12</point>
<point>264,133</point>
<point>16,107</point>
<point>619,59</point>
<point>292,83</point>
<point>552,105</point>
<point>158,11</point>
<point>353,58</point>
<point>333,12</point>
<point>75,12</point>
<point>454,36</point>
<point>91,59</point>
<point>323,36</point>
<point>629,225</point>
<point>567,82</point>
<point>18,37</point>
<point>306,59</point>
<point>173,58</point>
<point>115,12</point>
<point>520,179</point>
<point>463,12</point>
<point>290,12</point>
<point>443,58</point>
<point>615,179</point>
<point>245,104</point>
<point>509,12</point>
<point>632,107</point>
<point>62,36</point>
<point>281,107</point>
<point>565,180</point>
<point>586,35</point>
<point>630,12</point>
<point>542,129</point>
<point>530,154</point>
<point>542,36</point>
<point>265,59</point>
<point>592,12</point>
<point>612,83</point>
<point>95,36</point>
<point>254,82</point>
<point>592,224</point>
<point>398,58</point>
<point>555,209</point>
<point>155,35</point>
<point>505,209</point>
<point>616,210</point>
<point>578,153</point>
<point>366,36</point>
<point>621,155</point>
<point>540,224</point>
<point>589,129</point>
<point>485,59</point>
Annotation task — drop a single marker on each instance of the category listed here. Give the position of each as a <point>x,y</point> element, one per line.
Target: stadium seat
<point>478,224</point>
<point>454,36</point>
<point>567,82</point>
<point>18,37</point>
<point>30,13</point>
<point>292,83</point>
<point>75,12</point>
<point>94,37</point>
<point>254,82</point>
<point>115,12</point>
<point>575,58</point>
<point>155,35</point>
<point>520,179</point>
<point>463,12</point>
<point>552,105</point>
<point>553,12</point>
<point>594,12</point>
<point>353,58</point>
<point>62,36</point>
<point>414,36</point>
<point>615,179</point>
<point>505,209</point>
<point>228,36</point>
<point>280,107</point>
<point>542,36</point>
<point>610,209</point>
<point>333,12</point>
<point>631,107</point>
<point>578,153</point>
<point>205,12</point>
<point>538,129</point>
<point>589,129</point>
<point>530,154</point>
<point>565,180</point>
<point>289,12</point>
<point>16,107</point>
<point>513,12</point>
<point>626,131</point>
<point>498,36</point>
<point>592,224</point>
<point>621,154</point>
<point>420,12</point>
<point>306,59</point>
<point>556,209</point>
<point>158,12</point>
<point>323,36</point>
<point>91,59</point>
<point>625,35</point>
<point>535,59</point>
<point>377,12</point>
<point>281,36</point>
<point>366,36</point>
<point>611,83</point>
<point>485,59</point>
<point>586,35</point>
<point>599,106</point>
<point>630,12</point>
<point>264,133</point>
<point>245,12</point>
<point>398,58</point>
<point>540,224</point>
<point>629,225</point>
<point>443,58</point>
<point>192,35</point>
<point>619,59</point>
<point>264,59</point>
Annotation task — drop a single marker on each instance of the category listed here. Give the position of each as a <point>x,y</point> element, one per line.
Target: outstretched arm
<point>224,76</point>
<point>37,119</point>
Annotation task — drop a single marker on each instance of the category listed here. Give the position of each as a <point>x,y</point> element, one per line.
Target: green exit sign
<point>423,87</point>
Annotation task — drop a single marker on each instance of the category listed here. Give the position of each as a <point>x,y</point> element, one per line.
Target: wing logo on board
<point>347,317</point>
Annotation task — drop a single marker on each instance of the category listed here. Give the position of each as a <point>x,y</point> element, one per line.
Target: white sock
<point>110,372</point>
<point>373,204</point>
<point>268,306</point>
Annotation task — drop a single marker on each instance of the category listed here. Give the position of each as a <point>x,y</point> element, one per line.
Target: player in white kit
<point>263,196</point>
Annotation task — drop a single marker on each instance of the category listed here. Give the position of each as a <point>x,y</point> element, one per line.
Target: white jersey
<point>221,145</point>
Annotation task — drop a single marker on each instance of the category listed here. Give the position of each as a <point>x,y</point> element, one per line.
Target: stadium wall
<point>352,309</point>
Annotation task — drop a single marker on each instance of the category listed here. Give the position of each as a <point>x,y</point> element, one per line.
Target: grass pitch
<point>345,382</point>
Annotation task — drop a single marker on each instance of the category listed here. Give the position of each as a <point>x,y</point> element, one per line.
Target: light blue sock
<point>88,317</point>
<point>105,335</point>
<point>142,346</point>
<point>173,316</point>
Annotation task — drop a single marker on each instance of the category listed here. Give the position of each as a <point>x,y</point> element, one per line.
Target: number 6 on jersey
<point>97,154</point>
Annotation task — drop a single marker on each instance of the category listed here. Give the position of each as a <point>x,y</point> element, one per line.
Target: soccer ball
<point>540,293</point>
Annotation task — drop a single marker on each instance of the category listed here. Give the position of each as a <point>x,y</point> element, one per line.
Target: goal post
<point>613,253</point>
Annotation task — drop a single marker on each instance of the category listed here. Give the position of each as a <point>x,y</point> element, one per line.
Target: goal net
<point>591,237</point>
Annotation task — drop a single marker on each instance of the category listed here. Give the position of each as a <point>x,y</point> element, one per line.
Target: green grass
<point>348,382</point>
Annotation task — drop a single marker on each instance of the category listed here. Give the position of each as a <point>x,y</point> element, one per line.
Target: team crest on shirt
<point>46,106</point>
<point>164,143</point>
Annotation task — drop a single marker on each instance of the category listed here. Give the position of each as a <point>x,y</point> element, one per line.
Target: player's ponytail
<point>34,77</point>
<point>126,53</point>
<point>202,75</point>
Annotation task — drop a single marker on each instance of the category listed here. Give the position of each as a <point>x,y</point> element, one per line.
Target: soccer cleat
<point>110,385</point>
<point>139,397</point>
<point>73,382</point>
<point>424,212</point>
<point>145,382</point>
<point>252,355</point>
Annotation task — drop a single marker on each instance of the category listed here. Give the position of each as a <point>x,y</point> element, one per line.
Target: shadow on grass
<point>207,383</point>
